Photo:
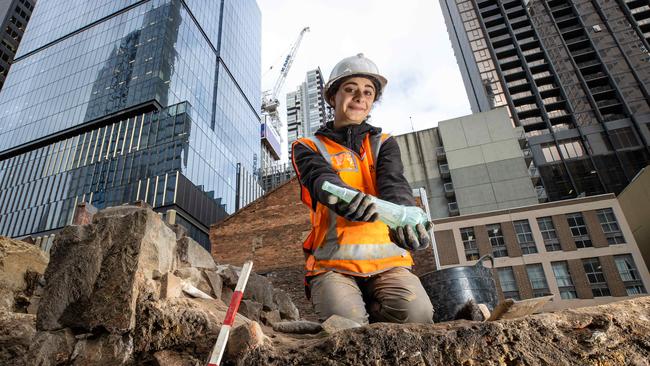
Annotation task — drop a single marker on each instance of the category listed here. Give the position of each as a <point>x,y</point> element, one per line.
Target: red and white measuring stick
<point>220,346</point>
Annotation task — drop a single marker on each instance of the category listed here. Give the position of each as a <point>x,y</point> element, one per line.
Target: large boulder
<point>20,266</point>
<point>192,254</point>
<point>97,272</point>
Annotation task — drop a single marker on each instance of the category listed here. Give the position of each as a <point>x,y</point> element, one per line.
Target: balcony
<point>541,194</point>
<point>528,155</point>
<point>453,209</point>
<point>444,170</point>
<point>533,173</point>
<point>440,153</point>
<point>449,190</point>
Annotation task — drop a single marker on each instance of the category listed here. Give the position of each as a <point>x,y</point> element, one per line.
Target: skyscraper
<point>118,101</point>
<point>306,107</point>
<point>15,15</point>
<point>573,74</point>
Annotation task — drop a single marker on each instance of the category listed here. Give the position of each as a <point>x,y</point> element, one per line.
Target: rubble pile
<point>127,289</point>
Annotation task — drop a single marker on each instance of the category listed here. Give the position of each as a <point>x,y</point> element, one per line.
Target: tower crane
<point>270,102</point>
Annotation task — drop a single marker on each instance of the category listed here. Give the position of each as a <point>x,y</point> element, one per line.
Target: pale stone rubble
<point>125,288</point>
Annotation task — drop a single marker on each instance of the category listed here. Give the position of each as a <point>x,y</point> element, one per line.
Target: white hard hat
<point>355,65</point>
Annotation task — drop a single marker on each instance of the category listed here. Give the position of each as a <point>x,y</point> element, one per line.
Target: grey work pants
<point>395,296</point>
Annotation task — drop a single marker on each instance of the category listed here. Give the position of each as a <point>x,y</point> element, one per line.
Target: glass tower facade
<point>574,76</point>
<point>118,101</point>
<point>307,110</point>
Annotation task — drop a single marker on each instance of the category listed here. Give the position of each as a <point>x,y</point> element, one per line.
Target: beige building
<point>581,250</point>
<point>635,201</point>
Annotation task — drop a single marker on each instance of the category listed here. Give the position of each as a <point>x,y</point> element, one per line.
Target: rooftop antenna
<point>412,128</point>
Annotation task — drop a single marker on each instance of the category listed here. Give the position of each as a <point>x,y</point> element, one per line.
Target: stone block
<point>244,339</point>
<point>16,334</point>
<point>226,295</point>
<point>337,323</point>
<point>195,277</point>
<point>288,311</point>
<point>19,262</point>
<point>108,349</point>
<point>171,358</point>
<point>216,282</point>
<point>50,348</point>
<point>270,317</point>
<point>98,271</point>
<point>298,327</point>
<point>170,286</point>
<point>250,309</point>
<point>192,254</point>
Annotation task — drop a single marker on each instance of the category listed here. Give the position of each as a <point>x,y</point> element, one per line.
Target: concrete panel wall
<point>486,164</point>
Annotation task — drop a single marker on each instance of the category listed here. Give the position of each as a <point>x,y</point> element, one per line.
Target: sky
<point>407,40</point>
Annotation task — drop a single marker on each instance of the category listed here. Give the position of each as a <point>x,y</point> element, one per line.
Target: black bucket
<point>451,288</point>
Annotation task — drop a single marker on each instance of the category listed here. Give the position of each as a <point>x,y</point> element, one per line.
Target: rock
<point>16,334</point>
<point>108,349</point>
<point>226,295</point>
<point>288,311</point>
<point>98,271</point>
<point>171,358</point>
<point>259,289</point>
<point>180,322</point>
<point>195,277</point>
<point>192,254</point>
<point>298,327</point>
<point>270,317</point>
<point>229,274</point>
<point>170,286</point>
<point>51,348</point>
<point>337,323</point>
<point>19,262</point>
<point>243,339</point>
<point>250,309</point>
<point>216,282</point>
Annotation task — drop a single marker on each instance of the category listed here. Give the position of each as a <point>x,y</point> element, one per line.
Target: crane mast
<point>270,102</point>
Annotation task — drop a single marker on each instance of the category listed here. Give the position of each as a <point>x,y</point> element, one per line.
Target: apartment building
<point>580,250</point>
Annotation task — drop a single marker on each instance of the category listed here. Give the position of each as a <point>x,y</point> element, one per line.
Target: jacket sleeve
<point>313,170</point>
<point>391,183</point>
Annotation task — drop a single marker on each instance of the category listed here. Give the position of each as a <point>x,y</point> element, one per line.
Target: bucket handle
<point>480,260</point>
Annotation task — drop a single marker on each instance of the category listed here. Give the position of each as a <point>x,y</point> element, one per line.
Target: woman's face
<point>353,101</point>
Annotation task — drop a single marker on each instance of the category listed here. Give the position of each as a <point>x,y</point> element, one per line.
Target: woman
<point>356,267</point>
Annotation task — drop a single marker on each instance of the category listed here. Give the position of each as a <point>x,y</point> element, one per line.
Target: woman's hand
<point>405,237</point>
<point>361,208</point>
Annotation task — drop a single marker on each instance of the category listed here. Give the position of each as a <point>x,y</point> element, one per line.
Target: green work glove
<point>407,238</point>
<point>361,208</point>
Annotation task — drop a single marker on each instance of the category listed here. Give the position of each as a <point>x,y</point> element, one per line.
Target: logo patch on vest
<point>344,162</point>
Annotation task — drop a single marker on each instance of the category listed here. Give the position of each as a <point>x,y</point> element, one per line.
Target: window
<point>537,280</point>
<point>525,237</point>
<point>596,277</point>
<point>610,226</point>
<point>571,149</point>
<point>550,152</point>
<point>564,281</point>
<point>496,240</point>
<point>622,138</point>
<point>629,274</point>
<point>579,230</point>
<point>551,242</point>
<point>469,242</point>
<point>508,283</point>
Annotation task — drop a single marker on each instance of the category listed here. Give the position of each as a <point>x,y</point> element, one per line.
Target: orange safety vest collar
<point>336,244</point>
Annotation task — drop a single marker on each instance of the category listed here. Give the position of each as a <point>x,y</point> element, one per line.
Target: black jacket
<point>313,169</point>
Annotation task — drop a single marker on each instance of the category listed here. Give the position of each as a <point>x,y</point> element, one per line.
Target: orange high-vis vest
<point>336,244</point>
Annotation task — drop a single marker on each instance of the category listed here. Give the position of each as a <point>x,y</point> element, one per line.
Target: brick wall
<point>564,233</point>
<point>482,240</point>
<point>613,278</point>
<point>510,238</point>
<point>270,231</point>
<point>579,277</point>
<point>596,233</point>
<point>523,283</point>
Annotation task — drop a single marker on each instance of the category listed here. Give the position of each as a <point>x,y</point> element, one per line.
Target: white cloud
<point>407,40</point>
